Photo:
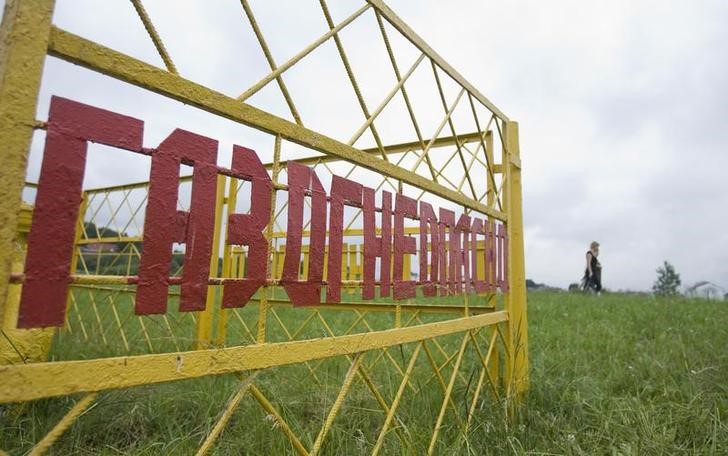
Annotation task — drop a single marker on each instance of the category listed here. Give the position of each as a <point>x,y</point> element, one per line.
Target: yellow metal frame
<point>201,343</point>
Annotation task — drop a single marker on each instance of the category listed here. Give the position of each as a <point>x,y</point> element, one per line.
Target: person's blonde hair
<point>594,244</point>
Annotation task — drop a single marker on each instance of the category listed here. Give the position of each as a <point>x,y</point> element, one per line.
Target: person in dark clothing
<point>593,273</point>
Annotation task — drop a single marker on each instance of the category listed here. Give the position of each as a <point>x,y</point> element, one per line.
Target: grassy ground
<point>613,374</point>
<point>624,375</point>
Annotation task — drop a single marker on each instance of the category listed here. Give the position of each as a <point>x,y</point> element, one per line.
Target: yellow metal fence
<point>391,352</point>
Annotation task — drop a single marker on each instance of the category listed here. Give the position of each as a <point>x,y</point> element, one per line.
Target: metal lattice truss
<point>465,156</point>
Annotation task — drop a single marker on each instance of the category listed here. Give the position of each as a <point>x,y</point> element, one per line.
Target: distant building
<point>706,290</point>
<point>100,247</point>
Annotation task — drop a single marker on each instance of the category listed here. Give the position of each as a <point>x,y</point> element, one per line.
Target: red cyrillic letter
<point>247,229</point>
<point>502,278</point>
<point>194,228</point>
<point>403,245</point>
<point>429,281</point>
<point>343,191</point>
<point>52,235</point>
<point>462,265</point>
<point>481,285</point>
<point>377,246</point>
<point>490,261</point>
<point>447,262</point>
<point>300,180</point>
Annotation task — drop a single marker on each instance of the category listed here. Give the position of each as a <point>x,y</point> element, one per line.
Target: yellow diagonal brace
<point>407,103</point>
<point>487,150</point>
<point>77,410</point>
<point>446,399</point>
<point>385,102</point>
<point>285,428</point>
<point>337,405</point>
<point>483,372</point>
<point>438,375</point>
<point>395,401</point>
<point>484,360</point>
<point>391,149</point>
<point>352,78</point>
<point>448,114</point>
<point>227,414</point>
<point>452,129</point>
<point>271,61</point>
<point>149,26</point>
<point>378,396</point>
<point>295,59</point>
<point>476,396</point>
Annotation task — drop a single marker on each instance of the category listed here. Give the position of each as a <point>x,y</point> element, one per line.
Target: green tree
<point>668,281</point>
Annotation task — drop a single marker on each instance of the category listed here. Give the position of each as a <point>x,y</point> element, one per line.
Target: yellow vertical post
<point>407,267</point>
<point>517,328</point>
<point>80,232</point>
<point>266,291</point>
<point>304,263</point>
<point>494,367</point>
<point>23,43</point>
<point>19,346</point>
<point>205,318</point>
<point>490,193</point>
<point>345,261</point>
<point>279,267</point>
<point>228,256</point>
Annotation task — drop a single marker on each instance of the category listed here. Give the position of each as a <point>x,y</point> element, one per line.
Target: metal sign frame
<point>28,35</point>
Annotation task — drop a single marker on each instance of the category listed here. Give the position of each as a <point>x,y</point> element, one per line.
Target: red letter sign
<point>403,245</point>
<point>427,218</point>
<point>447,265</point>
<point>343,191</point>
<point>193,228</point>
<point>300,180</point>
<point>461,249</point>
<point>51,238</point>
<point>247,229</point>
<point>377,246</point>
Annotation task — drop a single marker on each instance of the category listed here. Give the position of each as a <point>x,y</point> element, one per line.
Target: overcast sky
<point>621,106</point>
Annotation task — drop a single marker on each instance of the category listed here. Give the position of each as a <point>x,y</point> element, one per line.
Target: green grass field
<point>614,374</point>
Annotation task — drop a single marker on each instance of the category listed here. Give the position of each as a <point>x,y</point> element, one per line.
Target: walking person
<point>593,273</point>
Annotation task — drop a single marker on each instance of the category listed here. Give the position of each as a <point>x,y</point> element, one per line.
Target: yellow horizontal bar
<point>379,306</point>
<point>109,240</point>
<point>349,232</point>
<point>27,382</point>
<point>391,149</point>
<point>389,307</point>
<point>131,186</point>
<point>78,50</point>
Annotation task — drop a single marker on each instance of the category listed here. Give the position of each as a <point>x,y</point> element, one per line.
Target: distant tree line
<point>114,257</point>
